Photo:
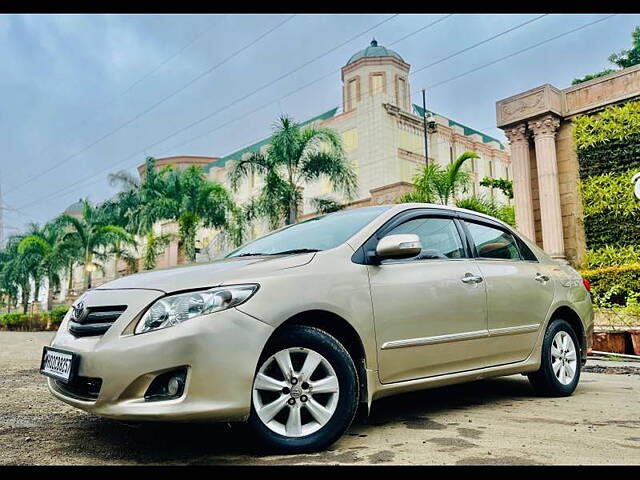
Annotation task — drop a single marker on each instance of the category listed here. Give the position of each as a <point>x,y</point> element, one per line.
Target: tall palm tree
<point>48,254</point>
<point>33,260</point>
<point>186,197</point>
<point>93,235</point>
<point>14,272</point>
<point>294,157</point>
<point>122,210</point>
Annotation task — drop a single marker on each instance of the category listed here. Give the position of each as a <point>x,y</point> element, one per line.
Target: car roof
<point>408,206</point>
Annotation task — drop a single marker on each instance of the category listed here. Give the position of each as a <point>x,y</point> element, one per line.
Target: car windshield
<point>320,233</point>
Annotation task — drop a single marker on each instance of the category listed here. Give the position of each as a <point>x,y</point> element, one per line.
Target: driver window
<point>439,237</point>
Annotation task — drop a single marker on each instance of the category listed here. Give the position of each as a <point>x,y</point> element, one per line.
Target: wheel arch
<point>342,330</point>
<point>565,312</point>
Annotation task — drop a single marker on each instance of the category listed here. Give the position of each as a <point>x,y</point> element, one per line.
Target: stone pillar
<point>544,132</point>
<point>521,165</point>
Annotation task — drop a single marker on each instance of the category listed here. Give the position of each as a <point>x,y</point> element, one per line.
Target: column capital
<point>517,134</point>
<point>545,126</point>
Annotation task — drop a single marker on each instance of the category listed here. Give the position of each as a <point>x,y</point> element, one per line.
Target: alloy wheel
<point>295,392</point>
<point>564,357</point>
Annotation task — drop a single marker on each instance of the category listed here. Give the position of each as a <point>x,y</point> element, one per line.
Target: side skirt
<point>380,390</point>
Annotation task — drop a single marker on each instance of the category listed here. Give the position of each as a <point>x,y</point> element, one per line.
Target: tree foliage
<point>187,197</point>
<point>506,186</point>
<point>623,59</point>
<point>295,156</point>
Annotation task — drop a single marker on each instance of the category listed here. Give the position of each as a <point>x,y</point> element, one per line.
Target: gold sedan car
<point>293,331</point>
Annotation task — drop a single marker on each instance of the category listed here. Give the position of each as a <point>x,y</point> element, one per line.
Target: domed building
<point>382,132</point>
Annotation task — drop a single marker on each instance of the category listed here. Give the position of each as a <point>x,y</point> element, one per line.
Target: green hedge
<point>613,156</point>
<point>617,286</point>
<point>608,149</point>
<point>602,230</point>
<point>616,122</point>
<point>57,314</point>
<point>35,322</point>
<point>609,256</point>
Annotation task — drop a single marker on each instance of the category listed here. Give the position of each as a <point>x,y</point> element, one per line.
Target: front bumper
<point>220,350</point>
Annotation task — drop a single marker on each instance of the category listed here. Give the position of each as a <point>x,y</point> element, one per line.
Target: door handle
<point>541,278</point>
<point>471,278</point>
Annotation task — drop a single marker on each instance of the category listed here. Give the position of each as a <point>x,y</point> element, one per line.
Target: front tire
<point>560,365</point>
<point>305,391</point>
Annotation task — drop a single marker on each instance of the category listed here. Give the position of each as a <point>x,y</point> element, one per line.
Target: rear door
<point>519,290</point>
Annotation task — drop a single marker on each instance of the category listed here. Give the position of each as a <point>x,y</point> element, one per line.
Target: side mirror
<point>399,246</point>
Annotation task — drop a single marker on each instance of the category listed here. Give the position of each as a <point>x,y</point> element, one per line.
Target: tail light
<point>586,284</point>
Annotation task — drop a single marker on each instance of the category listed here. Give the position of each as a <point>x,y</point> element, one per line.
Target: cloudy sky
<point>85,95</point>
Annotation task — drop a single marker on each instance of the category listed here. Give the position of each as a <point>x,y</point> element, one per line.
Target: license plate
<point>59,364</point>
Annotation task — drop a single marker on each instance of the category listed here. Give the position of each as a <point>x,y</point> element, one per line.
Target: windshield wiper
<point>250,254</point>
<point>297,250</point>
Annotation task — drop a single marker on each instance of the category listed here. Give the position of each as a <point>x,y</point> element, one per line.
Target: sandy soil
<point>498,421</point>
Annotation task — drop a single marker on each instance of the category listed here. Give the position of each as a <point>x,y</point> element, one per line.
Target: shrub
<point>611,211</point>
<point>36,322</point>
<point>9,320</point>
<point>612,156</point>
<point>617,286</point>
<point>608,150</point>
<point>57,314</point>
<point>610,256</point>
<point>613,123</point>
<point>506,186</point>
<point>485,205</point>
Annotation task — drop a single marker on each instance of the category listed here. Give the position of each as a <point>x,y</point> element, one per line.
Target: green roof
<point>237,155</point>
<point>467,130</point>
<point>374,50</point>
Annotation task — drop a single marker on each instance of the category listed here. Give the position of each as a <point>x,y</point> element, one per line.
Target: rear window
<point>493,243</point>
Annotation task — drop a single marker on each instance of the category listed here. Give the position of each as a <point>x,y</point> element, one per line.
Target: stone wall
<point>537,116</point>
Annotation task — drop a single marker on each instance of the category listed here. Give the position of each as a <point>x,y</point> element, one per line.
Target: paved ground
<point>496,421</point>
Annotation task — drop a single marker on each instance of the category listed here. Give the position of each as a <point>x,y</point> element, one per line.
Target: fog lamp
<point>167,386</point>
<point>173,386</point>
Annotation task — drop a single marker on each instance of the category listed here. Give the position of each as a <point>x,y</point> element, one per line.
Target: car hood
<point>206,275</point>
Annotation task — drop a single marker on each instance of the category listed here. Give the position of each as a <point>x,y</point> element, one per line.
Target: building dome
<point>75,207</point>
<point>374,50</point>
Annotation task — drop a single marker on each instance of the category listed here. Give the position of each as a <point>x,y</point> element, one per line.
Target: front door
<point>519,291</point>
<point>430,310</point>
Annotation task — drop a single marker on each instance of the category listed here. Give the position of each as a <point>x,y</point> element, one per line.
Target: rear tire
<point>315,403</point>
<point>560,365</point>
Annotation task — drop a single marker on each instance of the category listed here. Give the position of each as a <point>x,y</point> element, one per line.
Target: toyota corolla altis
<point>293,331</point>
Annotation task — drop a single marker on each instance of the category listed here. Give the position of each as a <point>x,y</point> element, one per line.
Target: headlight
<point>174,309</point>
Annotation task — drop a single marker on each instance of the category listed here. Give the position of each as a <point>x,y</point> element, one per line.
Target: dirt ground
<point>498,421</point>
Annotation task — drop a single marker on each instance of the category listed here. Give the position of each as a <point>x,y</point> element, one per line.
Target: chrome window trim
<point>422,260</point>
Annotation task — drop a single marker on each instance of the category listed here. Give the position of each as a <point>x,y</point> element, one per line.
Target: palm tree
<point>440,185</point>
<point>186,197</point>
<point>294,157</point>
<point>92,235</point>
<point>122,211</point>
<point>48,255</point>
<point>155,246</point>
<point>33,260</point>
<point>14,272</point>
<point>488,206</point>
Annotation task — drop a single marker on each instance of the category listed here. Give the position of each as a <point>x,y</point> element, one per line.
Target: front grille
<point>95,320</point>
<point>82,388</point>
